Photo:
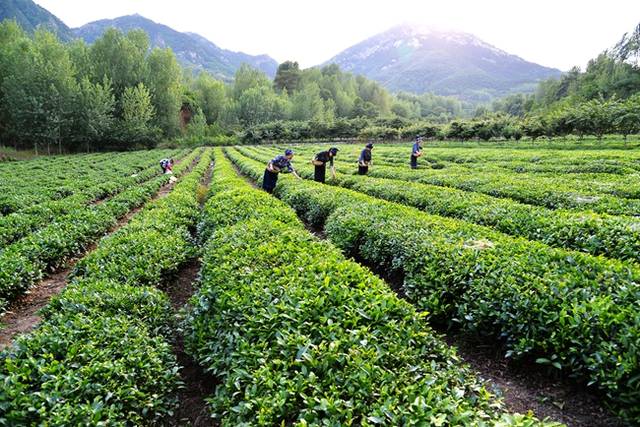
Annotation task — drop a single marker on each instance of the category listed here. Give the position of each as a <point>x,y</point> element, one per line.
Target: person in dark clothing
<point>274,167</point>
<point>320,162</point>
<point>416,151</point>
<point>365,159</point>
<point>164,163</point>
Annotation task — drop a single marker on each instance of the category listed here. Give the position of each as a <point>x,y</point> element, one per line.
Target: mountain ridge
<point>450,63</point>
<point>192,50</point>
<point>30,16</point>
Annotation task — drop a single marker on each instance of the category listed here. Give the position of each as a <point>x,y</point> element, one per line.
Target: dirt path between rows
<point>528,387</point>
<point>197,384</point>
<point>22,315</point>
<point>523,387</point>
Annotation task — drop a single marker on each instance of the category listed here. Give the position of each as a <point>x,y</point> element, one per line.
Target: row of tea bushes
<point>102,355</point>
<point>299,335</point>
<point>25,262</point>
<point>597,234</point>
<point>573,311</point>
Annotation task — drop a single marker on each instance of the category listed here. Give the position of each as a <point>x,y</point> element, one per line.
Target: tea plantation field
<point>288,320</point>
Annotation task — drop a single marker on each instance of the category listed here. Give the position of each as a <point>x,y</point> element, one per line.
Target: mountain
<point>191,49</point>
<point>419,60</point>
<point>31,16</point>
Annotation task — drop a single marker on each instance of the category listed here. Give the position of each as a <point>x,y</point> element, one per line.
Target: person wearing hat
<point>320,162</point>
<point>274,167</point>
<point>416,151</point>
<point>365,159</point>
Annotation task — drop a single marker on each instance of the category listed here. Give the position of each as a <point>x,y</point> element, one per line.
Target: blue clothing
<point>365,156</point>
<point>416,148</point>
<point>281,162</point>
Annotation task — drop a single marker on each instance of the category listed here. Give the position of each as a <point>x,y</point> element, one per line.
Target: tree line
<point>596,118</point>
<point>604,99</point>
<point>119,93</point>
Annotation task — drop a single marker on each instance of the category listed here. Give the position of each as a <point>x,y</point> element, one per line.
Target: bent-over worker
<point>274,167</point>
<point>416,151</point>
<point>320,162</point>
<point>164,163</point>
<point>365,159</point>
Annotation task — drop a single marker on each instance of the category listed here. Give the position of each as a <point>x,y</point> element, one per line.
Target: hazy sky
<point>555,33</point>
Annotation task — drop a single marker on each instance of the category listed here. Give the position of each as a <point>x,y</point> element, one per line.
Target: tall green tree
<point>136,126</point>
<point>247,78</point>
<point>120,58</point>
<point>260,105</point>
<point>307,104</point>
<point>93,118</point>
<point>41,86</point>
<point>210,94</point>
<point>288,77</point>
<point>164,83</point>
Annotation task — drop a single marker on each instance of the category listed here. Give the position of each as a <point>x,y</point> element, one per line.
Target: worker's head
<point>418,138</point>
<point>369,145</point>
<point>171,161</point>
<point>288,153</point>
<point>333,151</point>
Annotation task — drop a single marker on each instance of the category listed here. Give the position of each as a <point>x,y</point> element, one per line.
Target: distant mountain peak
<point>423,58</point>
<point>191,49</point>
<point>31,16</point>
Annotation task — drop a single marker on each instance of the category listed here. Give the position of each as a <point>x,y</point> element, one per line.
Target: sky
<point>554,33</point>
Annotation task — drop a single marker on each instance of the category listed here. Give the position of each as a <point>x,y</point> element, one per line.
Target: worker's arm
<point>333,172</point>
<point>293,171</point>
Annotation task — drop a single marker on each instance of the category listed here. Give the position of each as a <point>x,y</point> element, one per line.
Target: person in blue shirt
<point>320,162</point>
<point>364,161</point>
<point>274,167</point>
<point>416,151</point>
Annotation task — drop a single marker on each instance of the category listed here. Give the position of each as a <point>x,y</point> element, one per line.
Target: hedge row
<point>597,234</point>
<point>135,170</point>
<point>298,335</point>
<point>28,183</point>
<point>26,261</point>
<point>102,355</point>
<point>570,310</point>
<point>615,196</point>
<point>548,192</point>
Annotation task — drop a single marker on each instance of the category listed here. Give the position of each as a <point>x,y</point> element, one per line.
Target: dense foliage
<point>299,335</point>
<point>598,234</point>
<point>25,261</point>
<point>102,355</point>
<point>118,93</point>
<point>575,312</point>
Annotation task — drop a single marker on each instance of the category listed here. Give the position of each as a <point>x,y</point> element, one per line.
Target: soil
<point>528,386</point>
<point>523,387</point>
<point>197,384</point>
<point>22,315</point>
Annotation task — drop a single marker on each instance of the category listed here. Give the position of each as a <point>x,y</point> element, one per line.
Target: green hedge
<point>597,234</point>
<point>298,335</point>
<point>113,179</point>
<point>25,262</point>
<point>102,354</point>
<point>570,310</point>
